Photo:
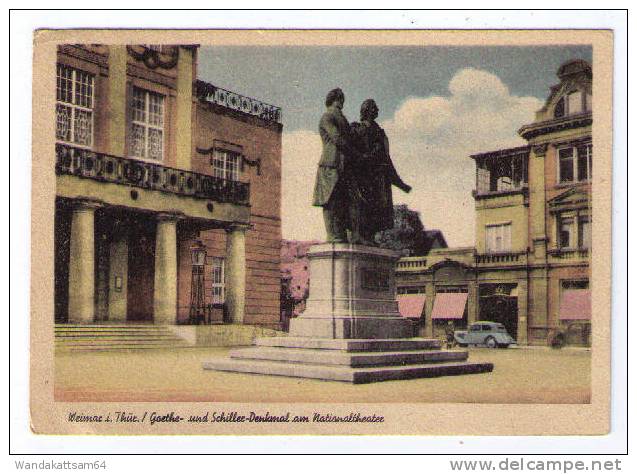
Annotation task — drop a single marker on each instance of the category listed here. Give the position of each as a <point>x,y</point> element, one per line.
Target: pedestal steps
<point>115,337</point>
<point>348,360</point>
<point>350,345</point>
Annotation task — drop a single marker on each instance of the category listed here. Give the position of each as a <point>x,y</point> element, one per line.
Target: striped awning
<point>575,304</point>
<point>449,306</point>
<point>411,306</point>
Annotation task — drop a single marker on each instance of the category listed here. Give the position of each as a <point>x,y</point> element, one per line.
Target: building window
<point>147,125</point>
<point>584,232</point>
<point>575,284</point>
<point>582,156</point>
<point>584,162</point>
<point>559,108</point>
<point>498,238</point>
<point>225,164</point>
<point>573,103</point>
<point>566,232</point>
<point>410,290</point>
<point>218,281</point>
<point>74,106</point>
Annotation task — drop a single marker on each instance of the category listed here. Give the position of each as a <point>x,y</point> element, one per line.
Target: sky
<point>438,105</point>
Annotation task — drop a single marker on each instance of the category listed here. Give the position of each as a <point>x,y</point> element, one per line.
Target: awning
<point>411,306</point>
<point>449,305</point>
<point>575,304</point>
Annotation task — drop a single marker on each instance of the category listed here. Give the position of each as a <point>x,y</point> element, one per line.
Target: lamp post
<point>198,260</point>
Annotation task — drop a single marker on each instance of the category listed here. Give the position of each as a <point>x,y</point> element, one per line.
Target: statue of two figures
<point>355,174</point>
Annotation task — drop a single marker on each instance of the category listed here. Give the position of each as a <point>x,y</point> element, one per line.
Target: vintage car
<point>485,333</point>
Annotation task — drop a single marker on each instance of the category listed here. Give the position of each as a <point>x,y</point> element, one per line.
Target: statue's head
<point>335,95</point>
<point>369,110</point>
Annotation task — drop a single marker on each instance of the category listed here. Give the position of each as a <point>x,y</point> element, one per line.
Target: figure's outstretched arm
<point>395,179</point>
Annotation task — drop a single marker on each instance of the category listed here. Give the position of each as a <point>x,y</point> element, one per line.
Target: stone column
<point>235,273</point>
<point>165,291</point>
<point>473,303</point>
<point>82,263</point>
<point>523,322</point>
<point>430,291</point>
<point>537,202</point>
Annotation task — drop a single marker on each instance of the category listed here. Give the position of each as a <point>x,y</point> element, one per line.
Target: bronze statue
<point>355,174</point>
<point>372,204</point>
<point>331,190</point>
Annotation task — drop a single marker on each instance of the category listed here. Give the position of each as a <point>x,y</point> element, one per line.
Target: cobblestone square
<point>525,375</point>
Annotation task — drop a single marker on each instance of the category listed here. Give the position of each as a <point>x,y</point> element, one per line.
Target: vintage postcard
<point>321,232</point>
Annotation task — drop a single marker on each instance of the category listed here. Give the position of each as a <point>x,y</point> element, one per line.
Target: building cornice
<point>84,54</point>
<point>537,129</point>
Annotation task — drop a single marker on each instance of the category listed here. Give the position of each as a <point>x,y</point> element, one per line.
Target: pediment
<point>566,87</point>
<point>449,269</point>
<point>572,198</point>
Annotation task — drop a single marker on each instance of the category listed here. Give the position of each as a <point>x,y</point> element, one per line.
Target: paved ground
<point>520,376</point>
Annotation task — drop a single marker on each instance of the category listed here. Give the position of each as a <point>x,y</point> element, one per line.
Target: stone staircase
<point>348,360</point>
<point>115,337</point>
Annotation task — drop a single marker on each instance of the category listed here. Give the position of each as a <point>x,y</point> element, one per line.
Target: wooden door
<point>141,271</point>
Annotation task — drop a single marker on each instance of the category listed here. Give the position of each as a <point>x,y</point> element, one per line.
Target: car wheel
<point>491,343</point>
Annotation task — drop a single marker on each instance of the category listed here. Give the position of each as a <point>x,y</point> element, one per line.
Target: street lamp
<point>198,260</point>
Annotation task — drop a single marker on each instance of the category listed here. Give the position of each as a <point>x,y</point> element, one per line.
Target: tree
<point>408,234</point>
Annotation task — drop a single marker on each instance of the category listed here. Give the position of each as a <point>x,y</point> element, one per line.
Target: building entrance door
<point>501,309</point>
<point>141,270</point>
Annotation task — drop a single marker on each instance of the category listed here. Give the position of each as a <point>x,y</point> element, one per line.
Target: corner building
<point>152,164</point>
<point>530,266</point>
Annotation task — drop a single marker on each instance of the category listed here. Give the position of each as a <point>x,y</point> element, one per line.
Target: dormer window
<point>559,109</point>
<point>573,103</point>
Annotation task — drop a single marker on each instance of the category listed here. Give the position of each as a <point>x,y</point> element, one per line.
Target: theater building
<point>530,266</point>
<point>168,192</point>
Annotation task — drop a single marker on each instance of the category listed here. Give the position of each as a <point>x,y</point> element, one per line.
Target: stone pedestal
<point>351,330</point>
<point>352,295</point>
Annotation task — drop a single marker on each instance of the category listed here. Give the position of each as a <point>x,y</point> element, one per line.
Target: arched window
<point>559,108</point>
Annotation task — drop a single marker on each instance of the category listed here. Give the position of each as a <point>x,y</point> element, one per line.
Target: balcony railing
<point>83,163</point>
<point>514,189</point>
<point>242,103</point>
<point>569,254</point>
<point>411,264</point>
<point>500,258</point>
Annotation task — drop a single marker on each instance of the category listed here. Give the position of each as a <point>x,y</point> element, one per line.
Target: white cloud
<point>431,139</point>
<point>301,153</point>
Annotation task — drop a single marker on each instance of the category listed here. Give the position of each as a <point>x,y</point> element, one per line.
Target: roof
<point>573,67</point>
<point>503,153</point>
<point>435,234</point>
